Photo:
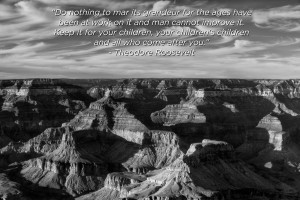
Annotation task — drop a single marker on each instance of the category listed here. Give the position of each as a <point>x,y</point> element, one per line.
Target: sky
<point>29,49</point>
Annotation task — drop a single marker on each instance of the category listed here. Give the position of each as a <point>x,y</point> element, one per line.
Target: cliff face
<point>150,139</point>
<point>206,171</point>
<point>31,106</point>
<point>70,166</point>
<point>9,189</point>
<point>178,114</point>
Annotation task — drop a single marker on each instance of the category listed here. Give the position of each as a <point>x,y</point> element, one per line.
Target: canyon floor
<point>150,139</point>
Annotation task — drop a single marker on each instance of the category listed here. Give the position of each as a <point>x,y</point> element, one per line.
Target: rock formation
<point>31,106</point>
<point>150,139</point>
<point>9,189</point>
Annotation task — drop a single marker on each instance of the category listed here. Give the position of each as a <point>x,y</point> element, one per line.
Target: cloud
<point>34,13</point>
<point>107,4</point>
<point>160,5</point>
<point>23,48</point>
<point>247,48</point>
<point>285,12</point>
<point>29,49</point>
<point>242,43</point>
<point>29,20</point>
<point>6,12</point>
<point>284,18</point>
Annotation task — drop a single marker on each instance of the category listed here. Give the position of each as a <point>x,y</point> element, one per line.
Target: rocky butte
<point>150,139</point>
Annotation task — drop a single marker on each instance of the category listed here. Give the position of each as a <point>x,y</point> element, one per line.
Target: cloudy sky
<point>28,48</point>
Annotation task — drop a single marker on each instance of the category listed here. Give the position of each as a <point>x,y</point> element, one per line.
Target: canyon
<point>150,139</point>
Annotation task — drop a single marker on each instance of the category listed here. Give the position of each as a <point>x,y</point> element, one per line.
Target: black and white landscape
<point>150,139</point>
<point>177,117</point>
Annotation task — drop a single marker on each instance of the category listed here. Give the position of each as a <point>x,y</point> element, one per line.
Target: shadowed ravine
<point>144,139</point>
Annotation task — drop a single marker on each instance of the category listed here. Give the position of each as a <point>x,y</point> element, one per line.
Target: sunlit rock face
<point>150,139</point>
<point>109,115</point>
<point>178,114</point>
<point>196,175</point>
<point>69,166</point>
<point>10,189</point>
<point>277,136</point>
